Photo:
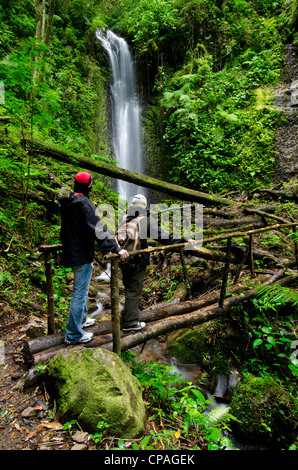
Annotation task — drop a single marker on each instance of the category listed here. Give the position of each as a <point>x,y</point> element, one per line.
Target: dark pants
<point>133,281</point>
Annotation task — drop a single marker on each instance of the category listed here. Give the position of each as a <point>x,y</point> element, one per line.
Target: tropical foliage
<point>207,74</point>
<point>207,68</point>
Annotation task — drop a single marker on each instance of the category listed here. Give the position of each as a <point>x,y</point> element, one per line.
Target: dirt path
<point>27,419</point>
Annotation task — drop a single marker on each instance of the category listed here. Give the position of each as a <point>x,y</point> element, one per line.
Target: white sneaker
<point>138,326</point>
<point>88,322</point>
<point>86,338</point>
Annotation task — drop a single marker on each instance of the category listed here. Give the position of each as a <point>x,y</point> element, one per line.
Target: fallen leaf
<point>14,436</point>
<point>30,435</point>
<point>18,427</point>
<point>56,426</point>
<point>6,397</point>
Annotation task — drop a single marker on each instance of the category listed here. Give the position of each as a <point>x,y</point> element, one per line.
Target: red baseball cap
<point>83,177</point>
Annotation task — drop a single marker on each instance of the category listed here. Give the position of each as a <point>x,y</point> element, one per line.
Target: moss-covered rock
<point>93,385</point>
<point>190,345</point>
<point>265,412</point>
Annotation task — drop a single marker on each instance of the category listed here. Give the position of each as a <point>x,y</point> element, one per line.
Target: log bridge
<point>163,318</point>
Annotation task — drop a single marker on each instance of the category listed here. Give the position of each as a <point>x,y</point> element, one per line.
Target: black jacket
<point>80,227</point>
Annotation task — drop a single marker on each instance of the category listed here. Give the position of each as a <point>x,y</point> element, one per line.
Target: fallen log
<point>107,169</point>
<point>262,255</point>
<point>42,343</point>
<point>246,223</point>
<point>163,311</point>
<point>43,348</point>
<point>43,356</point>
<point>264,214</point>
<point>192,319</point>
<point>49,343</point>
<point>276,194</point>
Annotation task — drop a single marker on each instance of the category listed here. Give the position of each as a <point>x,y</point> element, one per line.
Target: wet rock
<point>80,437</point>
<point>225,385</point>
<point>286,133</point>
<point>35,327</point>
<point>28,412</point>
<point>294,93</point>
<point>93,385</point>
<point>79,447</point>
<point>265,412</point>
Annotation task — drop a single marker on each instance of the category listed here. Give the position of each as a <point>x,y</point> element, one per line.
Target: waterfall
<point>126,111</point>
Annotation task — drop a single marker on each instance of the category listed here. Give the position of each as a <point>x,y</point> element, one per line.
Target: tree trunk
<point>185,194</point>
<point>285,196</point>
<point>44,24</point>
<point>157,312</point>
<point>50,21</point>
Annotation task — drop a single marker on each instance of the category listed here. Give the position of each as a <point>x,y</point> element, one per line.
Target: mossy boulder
<point>93,385</point>
<point>190,345</point>
<point>265,412</point>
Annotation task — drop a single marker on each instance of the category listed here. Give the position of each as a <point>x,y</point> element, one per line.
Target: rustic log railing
<point>114,259</point>
<point>48,250</point>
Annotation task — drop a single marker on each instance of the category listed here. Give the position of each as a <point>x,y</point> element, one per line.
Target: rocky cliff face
<point>286,137</point>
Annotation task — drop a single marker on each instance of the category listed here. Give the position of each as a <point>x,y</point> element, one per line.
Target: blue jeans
<point>78,306</point>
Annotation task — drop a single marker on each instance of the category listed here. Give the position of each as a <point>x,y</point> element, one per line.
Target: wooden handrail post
<point>47,250</point>
<point>115,306</point>
<point>226,273</point>
<point>187,284</point>
<point>251,258</point>
<point>295,247</point>
<point>50,293</point>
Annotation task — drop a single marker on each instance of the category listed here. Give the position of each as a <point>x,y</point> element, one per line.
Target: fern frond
<point>277,296</point>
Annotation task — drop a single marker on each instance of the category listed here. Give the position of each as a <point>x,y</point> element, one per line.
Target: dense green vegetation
<point>214,65</point>
<point>207,72</point>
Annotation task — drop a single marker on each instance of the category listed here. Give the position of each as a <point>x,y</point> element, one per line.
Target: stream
<point>155,350</point>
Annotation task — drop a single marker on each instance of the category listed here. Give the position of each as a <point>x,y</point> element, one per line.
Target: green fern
<point>274,297</point>
<point>5,276</point>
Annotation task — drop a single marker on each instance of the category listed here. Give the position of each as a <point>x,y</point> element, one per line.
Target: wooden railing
<point>114,259</point>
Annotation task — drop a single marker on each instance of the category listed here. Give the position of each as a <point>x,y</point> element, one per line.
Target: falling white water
<point>126,110</point>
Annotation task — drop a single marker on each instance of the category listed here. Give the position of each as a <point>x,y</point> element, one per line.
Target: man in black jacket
<point>80,228</point>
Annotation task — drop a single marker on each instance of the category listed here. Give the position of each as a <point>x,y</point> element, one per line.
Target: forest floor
<point>26,418</point>
<point>27,415</point>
